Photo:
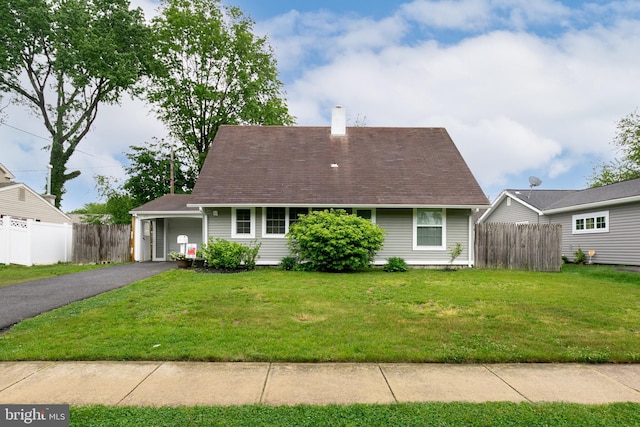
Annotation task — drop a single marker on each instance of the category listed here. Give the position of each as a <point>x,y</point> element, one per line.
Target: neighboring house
<point>256,180</point>
<point>603,219</point>
<point>19,201</point>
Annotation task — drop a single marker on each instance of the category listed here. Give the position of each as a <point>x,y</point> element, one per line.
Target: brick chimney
<point>338,121</point>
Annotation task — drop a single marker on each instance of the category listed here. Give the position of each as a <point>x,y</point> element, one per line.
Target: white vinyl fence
<point>31,242</point>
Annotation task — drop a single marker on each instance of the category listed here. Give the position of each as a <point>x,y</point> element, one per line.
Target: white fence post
<point>5,240</point>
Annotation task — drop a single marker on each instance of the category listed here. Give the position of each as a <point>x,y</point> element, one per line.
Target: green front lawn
<point>10,274</point>
<point>584,314</point>
<point>405,415</point>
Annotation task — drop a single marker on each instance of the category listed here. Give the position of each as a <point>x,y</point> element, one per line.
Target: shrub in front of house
<point>334,240</point>
<point>395,264</point>
<point>221,254</point>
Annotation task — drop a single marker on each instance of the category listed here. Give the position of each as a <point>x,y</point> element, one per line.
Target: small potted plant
<point>180,258</point>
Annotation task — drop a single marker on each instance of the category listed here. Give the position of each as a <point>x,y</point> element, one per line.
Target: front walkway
<point>203,383</point>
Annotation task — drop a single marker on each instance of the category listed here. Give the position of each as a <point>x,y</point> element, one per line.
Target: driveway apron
<point>29,299</point>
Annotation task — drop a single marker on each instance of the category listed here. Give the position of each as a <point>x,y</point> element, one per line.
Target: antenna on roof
<point>534,181</point>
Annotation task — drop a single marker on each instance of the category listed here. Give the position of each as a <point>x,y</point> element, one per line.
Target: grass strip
<point>11,274</point>
<point>406,415</point>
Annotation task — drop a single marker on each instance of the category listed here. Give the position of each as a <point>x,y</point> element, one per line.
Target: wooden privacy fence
<point>535,247</point>
<point>101,243</point>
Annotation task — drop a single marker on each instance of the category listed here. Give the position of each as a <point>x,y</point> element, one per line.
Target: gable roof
<point>545,202</point>
<point>308,166</point>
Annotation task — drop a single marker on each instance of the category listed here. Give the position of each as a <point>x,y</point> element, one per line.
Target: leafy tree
<point>215,72</point>
<point>335,240</point>
<point>92,213</point>
<point>64,58</point>
<point>627,141</point>
<point>117,206</point>
<point>150,172</point>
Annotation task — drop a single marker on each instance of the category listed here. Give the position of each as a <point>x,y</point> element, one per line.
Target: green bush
<point>335,240</point>
<point>395,264</point>
<point>289,263</point>
<point>224,255</point>
<point>579,256</point>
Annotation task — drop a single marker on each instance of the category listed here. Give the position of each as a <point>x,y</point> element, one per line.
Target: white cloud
<point>514,101</point>
<point>449,14</point>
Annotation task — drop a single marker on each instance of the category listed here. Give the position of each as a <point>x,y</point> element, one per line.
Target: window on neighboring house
<point>597,222</point>
<point>276,221</point>
<point>243,223</point>
<point>429,228</point>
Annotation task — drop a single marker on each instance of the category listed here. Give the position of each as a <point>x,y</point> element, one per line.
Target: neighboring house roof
<point>556,201</point>
<point>308,166</point>
<point>33,210</point>
<point>168,204</point>
<point>5,174</point>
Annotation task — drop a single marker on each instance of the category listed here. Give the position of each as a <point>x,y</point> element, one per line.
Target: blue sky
<point>524,87</point>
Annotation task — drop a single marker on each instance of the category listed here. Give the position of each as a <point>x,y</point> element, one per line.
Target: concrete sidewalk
<point>202,383</point>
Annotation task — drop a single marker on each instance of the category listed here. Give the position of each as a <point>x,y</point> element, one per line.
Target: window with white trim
<point>243,223</point>
<point>595,222</point>
<point>429,228</point>
<point>276,221</point>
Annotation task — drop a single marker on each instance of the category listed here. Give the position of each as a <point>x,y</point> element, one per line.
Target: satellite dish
<point>534,181</point>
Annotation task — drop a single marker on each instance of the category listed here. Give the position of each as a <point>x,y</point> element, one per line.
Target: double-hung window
<point>276,221</point>
<point>243,223</point>
<point>596,222</point>
<point>429,228</point>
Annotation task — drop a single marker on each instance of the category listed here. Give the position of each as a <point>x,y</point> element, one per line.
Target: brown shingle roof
<point>269,165</point>
<point>168,203</point>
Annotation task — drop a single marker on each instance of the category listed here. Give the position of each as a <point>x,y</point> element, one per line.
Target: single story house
<point>256,180</point>
<point>19,201</point>
<point>602,219</point>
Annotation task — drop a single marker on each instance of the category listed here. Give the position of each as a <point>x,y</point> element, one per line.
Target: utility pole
<point>172,174</point>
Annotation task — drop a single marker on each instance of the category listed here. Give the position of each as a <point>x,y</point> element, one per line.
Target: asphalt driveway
<point>28,299</point>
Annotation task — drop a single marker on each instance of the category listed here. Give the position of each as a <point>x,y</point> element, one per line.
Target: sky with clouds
<point>524,87</point>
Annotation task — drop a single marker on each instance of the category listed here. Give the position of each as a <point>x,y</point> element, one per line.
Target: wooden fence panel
<point>535,247</point>
<point>101,243</point>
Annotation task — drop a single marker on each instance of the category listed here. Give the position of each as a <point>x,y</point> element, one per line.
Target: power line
<point>27,132</point>
<point>75,150</point>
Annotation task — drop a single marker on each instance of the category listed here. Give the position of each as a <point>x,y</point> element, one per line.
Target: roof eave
<point>593,205</point>
<point>334,205</point>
